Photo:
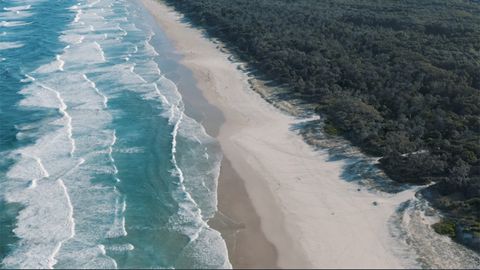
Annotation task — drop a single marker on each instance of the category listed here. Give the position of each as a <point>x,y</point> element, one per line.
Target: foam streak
<point>71,222</point>
<point>63,110</point>
<point>94,86</point>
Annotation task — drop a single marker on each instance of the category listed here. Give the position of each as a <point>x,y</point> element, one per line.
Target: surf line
<point>60,61</point>
<point>63,110</point>
<point>94,86</point>
<point>51,260</point>
<point>45,174</point>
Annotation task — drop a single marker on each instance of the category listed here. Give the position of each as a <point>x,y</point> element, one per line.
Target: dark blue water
<point>100,166</point>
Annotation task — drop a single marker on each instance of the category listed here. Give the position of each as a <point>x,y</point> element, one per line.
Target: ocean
<point>100,166</point>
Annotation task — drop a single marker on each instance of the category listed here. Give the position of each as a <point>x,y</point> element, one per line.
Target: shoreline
<point>236,219</point>
<point>288,195</point>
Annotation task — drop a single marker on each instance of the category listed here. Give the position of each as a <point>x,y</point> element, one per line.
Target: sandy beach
<point>289,205</point>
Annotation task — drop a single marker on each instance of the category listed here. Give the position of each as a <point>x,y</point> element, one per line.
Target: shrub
<point>445,227</point>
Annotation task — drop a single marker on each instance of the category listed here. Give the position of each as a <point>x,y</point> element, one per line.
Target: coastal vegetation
<point>445,227</point>
<point>399,79</point>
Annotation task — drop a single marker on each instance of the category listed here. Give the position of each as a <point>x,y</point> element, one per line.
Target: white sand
<point>312,216</point>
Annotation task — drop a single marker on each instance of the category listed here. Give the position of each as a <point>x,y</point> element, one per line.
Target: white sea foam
<point>28,78</point>
<point>170,98</point>
<point>124,33</point>
<point>200,179</point>
<point>10,45</point>
<point>121,74</point>
<point>150,76</point>
<point>118,227</point>
<point>71,225</point>
<point>163,99</point>
<point>105,99</point>
<point>86,163</point>
<point>53,66</point>
<point>132,70</point>
<point>73,160</point>
<point>131,150</point>
<point>61,63</point>
<point>33,184</point>
<point>150,72</point>
<point>72,38</point>
<point>150,49</point>
<point>14,15</point>
<point>110,151</point>
<point>77,15</point>
<point>17,8</point>
<point>15,12</point>
<point>190,207</point>
<point>198,191</point>
<point>121,248</point>
<point>93,3</point>
<point>75,7</point>
<point>37,96</point>
<point>40,96</point>
<point>13,23</point>
<point>40,240</point>
<point>42,168</point>
<point>28,167</point>
<point>100,50</point>
<point>63,110</point>
<point>213,251</point>
<point>85,53</point>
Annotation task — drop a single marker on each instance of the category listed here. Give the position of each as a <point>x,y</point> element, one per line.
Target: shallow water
<point>100,166</point>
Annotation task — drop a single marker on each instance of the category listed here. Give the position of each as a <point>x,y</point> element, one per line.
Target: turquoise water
<point>99,165</point>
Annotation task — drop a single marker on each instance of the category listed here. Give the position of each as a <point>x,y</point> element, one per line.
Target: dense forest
<point>399,79</point>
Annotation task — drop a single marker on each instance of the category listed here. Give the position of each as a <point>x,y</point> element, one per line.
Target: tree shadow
<point>357,167</point>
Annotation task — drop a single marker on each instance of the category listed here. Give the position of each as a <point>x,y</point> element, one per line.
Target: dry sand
<point>288,193</point>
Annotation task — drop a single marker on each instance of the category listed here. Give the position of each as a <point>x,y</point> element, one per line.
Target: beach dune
<point>308,214</point>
